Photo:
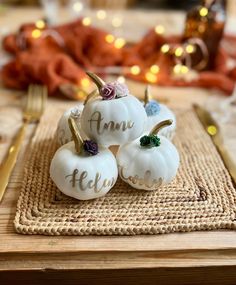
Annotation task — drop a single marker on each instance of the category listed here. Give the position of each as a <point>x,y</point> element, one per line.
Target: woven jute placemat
<point>202,196</point>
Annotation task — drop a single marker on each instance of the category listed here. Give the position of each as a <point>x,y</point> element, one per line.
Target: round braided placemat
<point>202,196</point>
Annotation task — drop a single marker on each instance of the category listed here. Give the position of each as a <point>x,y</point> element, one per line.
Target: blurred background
<point>149,4</point>
<point>152,33</point>
<point>123,4</point>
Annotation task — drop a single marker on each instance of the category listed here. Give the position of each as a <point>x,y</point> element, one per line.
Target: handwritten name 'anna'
<point>96,184</point>
<point>97,123</point>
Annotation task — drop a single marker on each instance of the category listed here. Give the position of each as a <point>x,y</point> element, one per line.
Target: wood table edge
<point>117,259</point>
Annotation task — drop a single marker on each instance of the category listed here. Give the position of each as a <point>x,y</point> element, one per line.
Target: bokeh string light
<point>86,21</point>
<point>109,38</point>
<point>119,43</point>
<point>155,69</point>
<point>101,14</point>
<point>117,22</point>
<point>159,29</point>
<point>40,24</point>
<point>121,79</point>
<point>77,8</point>
<point>150,77</point>
<point>165,48</point>
<point>203,12</point>
<point>135,70</point>
<point>36,33</point>
<point>85,82</point>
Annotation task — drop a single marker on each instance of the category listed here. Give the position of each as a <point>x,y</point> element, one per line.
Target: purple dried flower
<point>108,91</point>
<point>91,147</point>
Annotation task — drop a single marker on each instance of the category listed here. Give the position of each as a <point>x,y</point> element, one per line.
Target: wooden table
<point>190,258</point>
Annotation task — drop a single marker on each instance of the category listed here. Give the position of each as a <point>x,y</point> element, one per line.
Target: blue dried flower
<point>152,108</point>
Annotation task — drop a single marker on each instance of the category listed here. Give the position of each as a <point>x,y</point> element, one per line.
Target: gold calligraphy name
<point>145,181</point>
<point>79,178</point>
<point>96,121</point>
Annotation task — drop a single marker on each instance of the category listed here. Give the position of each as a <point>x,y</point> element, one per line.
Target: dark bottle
<point>206,22</point>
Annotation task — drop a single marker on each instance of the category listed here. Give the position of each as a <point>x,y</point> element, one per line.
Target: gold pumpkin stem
<point>90,96</point>
<point>159,126</point>
<point>96,79</point>
<point>75,135</point>
<point>146,95</point>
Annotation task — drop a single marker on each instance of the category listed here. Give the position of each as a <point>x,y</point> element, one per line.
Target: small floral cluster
<point>114,90</point>
<point>150,141</point>
<point>152,108</point>
<point>90,147</point>
<point>75,112</point>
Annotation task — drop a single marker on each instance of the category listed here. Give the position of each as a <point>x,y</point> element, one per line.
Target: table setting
<point>118,138</point>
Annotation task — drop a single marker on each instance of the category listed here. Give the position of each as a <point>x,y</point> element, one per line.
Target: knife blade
<point>213,130</point>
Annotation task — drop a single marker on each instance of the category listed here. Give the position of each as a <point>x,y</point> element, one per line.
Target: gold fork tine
<point>44,96</point>
<point>35,105</point>
<point>32,101</point>
<point>36,108</point>
<point>41,93</point>
<point>29,99</point>
<point>35,102</point>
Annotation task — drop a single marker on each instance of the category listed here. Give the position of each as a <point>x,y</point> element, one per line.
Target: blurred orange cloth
<point>62,54</point>
<point>58,57</point>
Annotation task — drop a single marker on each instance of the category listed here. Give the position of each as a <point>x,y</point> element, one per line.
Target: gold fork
<point>32,112</point>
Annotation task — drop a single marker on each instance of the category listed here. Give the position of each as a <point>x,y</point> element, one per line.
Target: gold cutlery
<point>32,113</point>
<point>213,130</point>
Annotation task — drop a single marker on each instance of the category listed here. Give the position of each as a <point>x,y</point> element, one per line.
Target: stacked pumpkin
<point>84,167</point>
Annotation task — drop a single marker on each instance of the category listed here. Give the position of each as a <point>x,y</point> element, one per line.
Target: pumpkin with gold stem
<point>148,162</point>
<point>83,169</point>
<point>113,116</point>
<point>157,112</point>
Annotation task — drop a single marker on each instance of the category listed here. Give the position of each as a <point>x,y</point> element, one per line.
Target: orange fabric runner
<point>63,56</point>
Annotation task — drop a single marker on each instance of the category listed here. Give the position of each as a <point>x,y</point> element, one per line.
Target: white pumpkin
<point>148,167</point>
<point>79,174</point>
<point>157,113</point>
<point>115,118</point>
<point>63,132</point>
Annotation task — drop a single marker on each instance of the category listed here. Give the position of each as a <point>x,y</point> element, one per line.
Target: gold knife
<point>213,130</point>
